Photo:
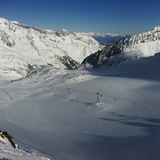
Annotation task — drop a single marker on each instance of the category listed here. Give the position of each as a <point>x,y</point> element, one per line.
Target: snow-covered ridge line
<point>22,46</point>
<point>142,45</point>
<point>8,22</point>
<point>149,36</point>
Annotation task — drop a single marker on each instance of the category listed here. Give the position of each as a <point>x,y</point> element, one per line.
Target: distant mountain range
<point>142,45</point>
<point>93,34</point>
<point>105,38</point>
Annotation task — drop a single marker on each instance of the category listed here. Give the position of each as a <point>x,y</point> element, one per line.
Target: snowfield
<point>108,113</point>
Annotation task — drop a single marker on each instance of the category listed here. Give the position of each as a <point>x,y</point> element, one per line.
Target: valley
<point>57,112</point>
<point>56,107</point>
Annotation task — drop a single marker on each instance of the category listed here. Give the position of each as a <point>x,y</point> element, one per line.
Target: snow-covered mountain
<point>23,47</point>
<point>142,45</point>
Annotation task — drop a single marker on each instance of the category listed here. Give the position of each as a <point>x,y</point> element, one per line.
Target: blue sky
<point>114,16</point>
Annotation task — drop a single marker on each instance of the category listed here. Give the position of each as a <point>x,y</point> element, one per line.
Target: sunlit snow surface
<point>59,114</point>
<point>7,152</point>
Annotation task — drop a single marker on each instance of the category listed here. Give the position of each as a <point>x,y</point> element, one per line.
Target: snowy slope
<point>22,45</point>
<point>142,45</point>
<point>7,152</point>
<point>59,113</point>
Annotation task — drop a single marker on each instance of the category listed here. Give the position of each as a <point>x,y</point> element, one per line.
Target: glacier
<point>57,113</point>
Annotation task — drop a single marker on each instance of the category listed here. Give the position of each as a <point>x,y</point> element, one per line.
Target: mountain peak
<point>2,19</point>
<point>157,28</point>
<point>64,30</point>
<point>15,22</point>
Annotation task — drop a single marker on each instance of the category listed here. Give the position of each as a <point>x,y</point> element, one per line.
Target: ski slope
<point>108,113</point>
